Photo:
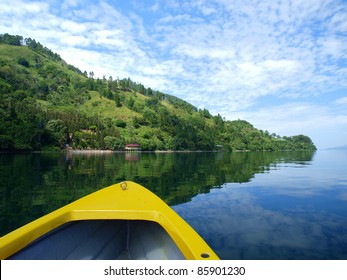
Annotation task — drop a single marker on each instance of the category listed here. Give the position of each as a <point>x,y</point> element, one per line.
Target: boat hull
<point>123,221</point>
<point>103,240</point>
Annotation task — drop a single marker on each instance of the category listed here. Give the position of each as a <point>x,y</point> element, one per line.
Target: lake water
<point>266,205</point>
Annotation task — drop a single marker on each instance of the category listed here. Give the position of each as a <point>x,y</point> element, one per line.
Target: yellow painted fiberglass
<point>123,221</point>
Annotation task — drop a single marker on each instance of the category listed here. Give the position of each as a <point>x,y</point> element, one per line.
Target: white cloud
<point>70,3</point>
<point>73,27</point>
<point>111,39</point>
<point>268,58</point>
<point>341,101</point>
<point>71,40</point>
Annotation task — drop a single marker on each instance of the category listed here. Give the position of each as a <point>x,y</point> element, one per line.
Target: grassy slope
<point>10,55</point>
<point>101,106</point>
<point>97,105</point>
<point>65,97</point>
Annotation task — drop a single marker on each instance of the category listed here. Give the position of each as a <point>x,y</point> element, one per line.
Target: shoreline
<point>135,152</point>
<point>72,151</point>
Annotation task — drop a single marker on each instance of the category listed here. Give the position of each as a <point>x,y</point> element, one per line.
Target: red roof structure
<point>132,147</point>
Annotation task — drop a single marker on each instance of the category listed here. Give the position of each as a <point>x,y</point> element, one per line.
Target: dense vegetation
<point>48,104</point>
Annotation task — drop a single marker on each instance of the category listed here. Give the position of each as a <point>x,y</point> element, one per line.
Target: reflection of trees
<point>32,185</point>
<point>183,175</point>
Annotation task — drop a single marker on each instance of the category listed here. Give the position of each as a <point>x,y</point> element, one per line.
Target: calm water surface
<point>245,205</point>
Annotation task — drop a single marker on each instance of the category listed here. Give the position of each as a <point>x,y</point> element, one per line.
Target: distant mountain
<point>49,104</point>
<point>338,148</point>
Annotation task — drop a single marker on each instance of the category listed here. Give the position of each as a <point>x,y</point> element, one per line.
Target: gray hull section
<point>103,240</point>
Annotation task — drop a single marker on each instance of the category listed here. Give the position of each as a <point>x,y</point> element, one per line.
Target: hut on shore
<point>132,147</point>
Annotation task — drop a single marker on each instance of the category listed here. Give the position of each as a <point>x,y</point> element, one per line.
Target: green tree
<point>57,132</point>
<point>6,142</point>
<point>117,99</point>
<point>130,103</point>
<point>22,61</point>
<point>113,143</point>
<point>120,123</point>
<point>15,40</point>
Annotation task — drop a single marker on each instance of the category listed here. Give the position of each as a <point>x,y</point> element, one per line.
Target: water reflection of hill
<point>179,177</point>
<point>35,184</point>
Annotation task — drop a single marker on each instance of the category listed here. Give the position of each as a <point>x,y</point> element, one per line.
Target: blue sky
<point>281,65</point>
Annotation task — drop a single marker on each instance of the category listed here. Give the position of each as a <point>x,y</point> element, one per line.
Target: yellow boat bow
<point>128,204</point>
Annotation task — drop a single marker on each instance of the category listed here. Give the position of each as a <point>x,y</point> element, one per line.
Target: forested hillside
<point>48,104</point>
